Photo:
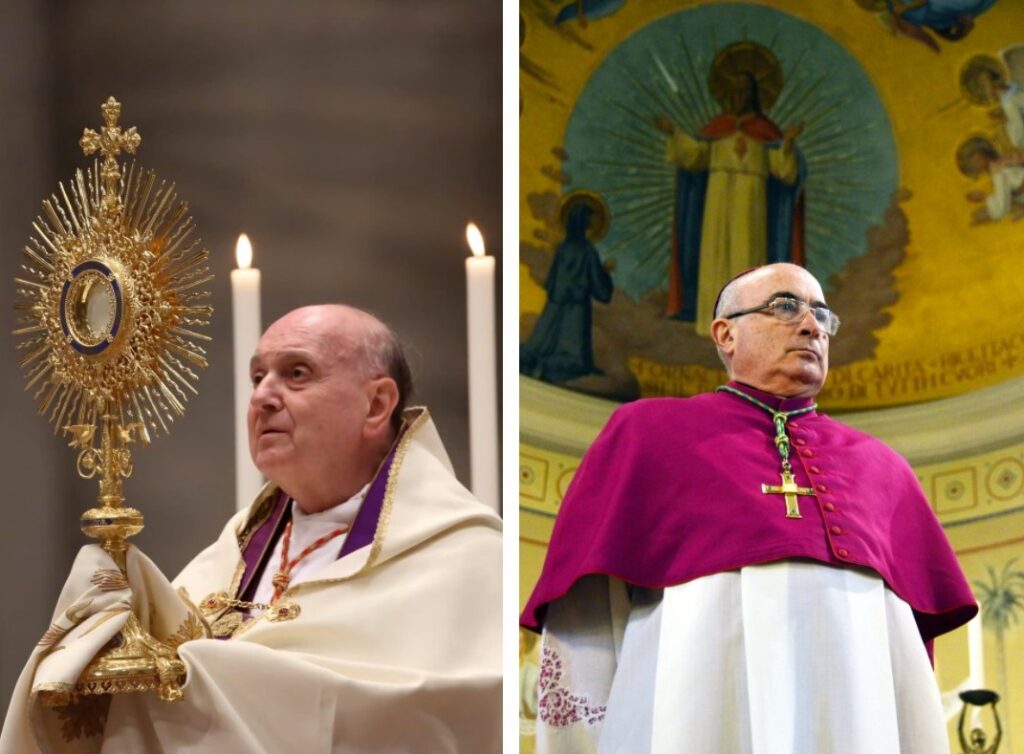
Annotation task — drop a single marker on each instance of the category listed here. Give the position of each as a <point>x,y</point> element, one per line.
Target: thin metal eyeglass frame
<point>831,327</point>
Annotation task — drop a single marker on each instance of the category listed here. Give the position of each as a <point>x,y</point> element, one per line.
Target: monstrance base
<point>134,661</point>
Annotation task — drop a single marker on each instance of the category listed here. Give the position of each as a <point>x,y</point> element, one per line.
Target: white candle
<point>975,653</point>
<point>245,301</point>
<point>483,379</point>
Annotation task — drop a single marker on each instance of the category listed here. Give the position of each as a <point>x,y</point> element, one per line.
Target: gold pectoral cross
<point>790,489</point>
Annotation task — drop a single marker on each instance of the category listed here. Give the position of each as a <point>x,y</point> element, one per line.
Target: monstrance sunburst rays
<point>111,300</point>
<point>110,307</point>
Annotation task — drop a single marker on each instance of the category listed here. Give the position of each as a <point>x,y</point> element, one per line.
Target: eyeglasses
<point>786,309</point>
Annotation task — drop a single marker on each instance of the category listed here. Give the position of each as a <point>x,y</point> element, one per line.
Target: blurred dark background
<point>351,140</point>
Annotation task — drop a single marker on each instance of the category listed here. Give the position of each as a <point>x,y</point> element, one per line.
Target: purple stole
<point>260,545</point>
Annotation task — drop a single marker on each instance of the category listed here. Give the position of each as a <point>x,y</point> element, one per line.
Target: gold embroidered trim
<point>385,512</point>
<point>83,717</point>
<point>236,580</point>
<point>86,687</point>
<point>55,686</point>
<point>189,629</point>
<point>248,624</point>
<point>183,595</point>
<point>389,491</point>
<point>226,625</point>
<point>56,632</point>
<point>240,588</point>
<point>213,603</point>
<point>52,635</point>
<point>109,580</point>
<point>283,611</point>
<point>109,613</point>
<point>76,613</point>
<point>263,507</point>
<point>260,616</point>
<point>213,607</point>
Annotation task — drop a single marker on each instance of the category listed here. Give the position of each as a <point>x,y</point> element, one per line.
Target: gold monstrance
<point>108,308</point>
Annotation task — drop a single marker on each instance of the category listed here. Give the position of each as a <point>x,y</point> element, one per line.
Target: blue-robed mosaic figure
<point>560,348</point>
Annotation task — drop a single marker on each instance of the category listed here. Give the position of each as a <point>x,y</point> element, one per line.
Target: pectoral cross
<point>790,489</point>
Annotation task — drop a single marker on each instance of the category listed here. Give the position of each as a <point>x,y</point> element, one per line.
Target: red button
<point>800,441</point>
<point>815,470</point>
<point>822,488</point>
<point>807,453</point>
<point>842,552</point>
<point>836,530</point>
<point>829,507</point>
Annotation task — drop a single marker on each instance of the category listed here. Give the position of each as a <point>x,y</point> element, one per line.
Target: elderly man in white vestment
<point>354,607</point>
<point>691,603</point>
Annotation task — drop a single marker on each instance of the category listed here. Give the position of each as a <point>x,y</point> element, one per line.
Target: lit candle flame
<point>475,240</point>
<point>243,252</point>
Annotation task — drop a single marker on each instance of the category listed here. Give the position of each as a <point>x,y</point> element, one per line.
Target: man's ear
<point>723,336</point>
<point>383,394</point>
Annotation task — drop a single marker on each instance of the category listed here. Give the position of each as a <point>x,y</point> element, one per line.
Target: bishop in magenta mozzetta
<point>738,572</point>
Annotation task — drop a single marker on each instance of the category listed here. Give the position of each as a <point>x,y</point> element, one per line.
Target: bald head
<point>730,297</point>
<point>785,358</point>
<point>348,329</point>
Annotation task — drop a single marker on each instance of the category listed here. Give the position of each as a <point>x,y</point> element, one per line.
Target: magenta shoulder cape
<point>671,491</point>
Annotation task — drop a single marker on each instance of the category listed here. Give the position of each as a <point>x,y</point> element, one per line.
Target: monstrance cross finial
<point>109,142</point>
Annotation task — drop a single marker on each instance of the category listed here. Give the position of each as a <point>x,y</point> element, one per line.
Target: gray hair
<point>727,301</point>
<point>383,355</point>
<point>727,298</point>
